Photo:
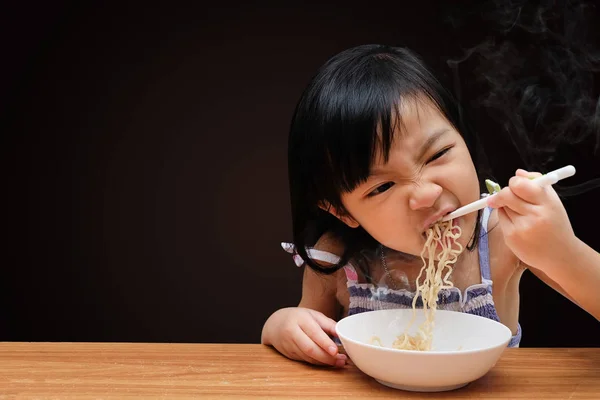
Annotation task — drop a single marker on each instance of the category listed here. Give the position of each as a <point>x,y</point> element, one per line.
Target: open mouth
<point>454,224</point>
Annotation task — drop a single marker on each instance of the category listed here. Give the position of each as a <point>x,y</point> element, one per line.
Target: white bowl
<point>464,348</point>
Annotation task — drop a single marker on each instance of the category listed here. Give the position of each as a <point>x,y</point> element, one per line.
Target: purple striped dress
<point>477,299</point>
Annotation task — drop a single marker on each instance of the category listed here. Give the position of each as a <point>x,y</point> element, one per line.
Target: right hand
<point>302,334</point>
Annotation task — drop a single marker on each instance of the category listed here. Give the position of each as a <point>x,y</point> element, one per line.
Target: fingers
<point>523,186</point>
<point>507,214</point>
<point>313,353</point>
<point>527,174</point>
<point>291,350</point>
<point>521,194</point>
<point>296,354</point>
<point>315,332</point>
<point>507,198</point>
<point>326,323</point>
<point>339,361</point>
<point>304,337</point>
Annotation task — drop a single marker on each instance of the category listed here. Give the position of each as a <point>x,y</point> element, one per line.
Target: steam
<point>538,69</point>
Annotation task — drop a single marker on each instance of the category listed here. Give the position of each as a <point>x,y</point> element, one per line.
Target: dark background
<point>144,169</point>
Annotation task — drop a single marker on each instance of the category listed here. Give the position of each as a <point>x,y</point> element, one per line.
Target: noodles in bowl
<point>437,269</point>
<point>466,346</point>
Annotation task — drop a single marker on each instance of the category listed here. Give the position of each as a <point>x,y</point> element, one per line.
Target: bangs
<point>349,117</point>
<point>364,140</point>
<point>364,118</point>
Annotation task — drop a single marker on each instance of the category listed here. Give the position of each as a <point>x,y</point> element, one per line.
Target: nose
<point>424,195</point>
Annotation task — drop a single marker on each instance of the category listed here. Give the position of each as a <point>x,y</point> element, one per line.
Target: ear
<point>345,218</point>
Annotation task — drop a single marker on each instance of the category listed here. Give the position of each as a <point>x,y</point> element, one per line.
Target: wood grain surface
<point>251,371</point>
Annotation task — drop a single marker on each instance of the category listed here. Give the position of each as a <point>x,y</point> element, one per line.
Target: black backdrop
<point>144,167</point>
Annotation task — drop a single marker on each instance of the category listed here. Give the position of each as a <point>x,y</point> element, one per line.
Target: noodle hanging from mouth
<point>436,270</point>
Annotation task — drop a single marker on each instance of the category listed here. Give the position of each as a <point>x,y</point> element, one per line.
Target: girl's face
<point>429,173</point>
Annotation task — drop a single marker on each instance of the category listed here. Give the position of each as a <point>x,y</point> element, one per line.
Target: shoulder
<point>321,291</point>
<point>331,244</point>
<point>328,251</point>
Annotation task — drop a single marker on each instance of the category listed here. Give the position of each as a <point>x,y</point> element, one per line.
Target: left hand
<point>534,222</point>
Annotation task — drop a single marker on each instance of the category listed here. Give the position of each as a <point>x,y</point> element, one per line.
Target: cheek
<point>382,222</point>
<point>389,225</point>
<point>465,180</point>
<point>471,187</point>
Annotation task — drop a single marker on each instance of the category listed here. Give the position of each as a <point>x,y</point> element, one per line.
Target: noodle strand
<point>436,272</point>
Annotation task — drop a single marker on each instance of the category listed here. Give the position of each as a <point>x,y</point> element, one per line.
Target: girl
<point>377,154</point>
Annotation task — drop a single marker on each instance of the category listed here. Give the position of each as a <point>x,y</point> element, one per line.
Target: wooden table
<point>107,371</point>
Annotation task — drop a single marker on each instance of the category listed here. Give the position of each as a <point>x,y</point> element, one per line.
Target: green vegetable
<point>492,186</point>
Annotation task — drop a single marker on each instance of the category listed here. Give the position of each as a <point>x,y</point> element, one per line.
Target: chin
<point>414,251</point>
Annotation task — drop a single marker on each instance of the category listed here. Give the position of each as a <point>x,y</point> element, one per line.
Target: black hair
<point>346,114</point>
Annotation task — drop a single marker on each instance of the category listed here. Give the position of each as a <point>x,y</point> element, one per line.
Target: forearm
<point>264,336</point>
<point>578,273</point>
<point>269,327</point>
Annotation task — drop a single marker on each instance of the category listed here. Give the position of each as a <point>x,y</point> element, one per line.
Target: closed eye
<point>439,154</point>
<point>380,189</point>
